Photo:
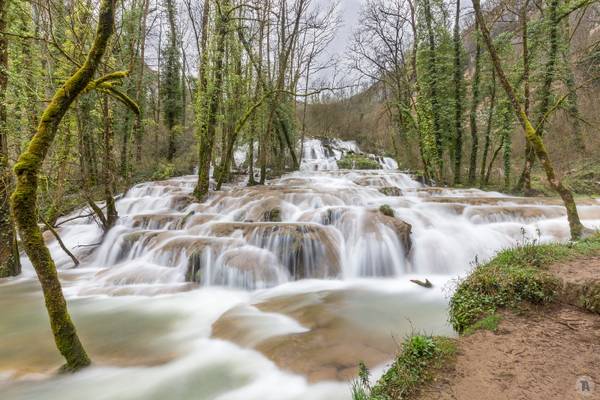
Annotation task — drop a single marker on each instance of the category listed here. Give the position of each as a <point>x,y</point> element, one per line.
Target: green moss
<point>273,215</point>
<point>419,358</point>
<point>488,323</point>
<point>512,277</point>
<point>387,210</point>
<point>357,161</point>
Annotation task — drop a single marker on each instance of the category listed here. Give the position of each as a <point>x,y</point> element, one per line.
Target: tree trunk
<point>473,114</point>
<point>545,92</point>
<point>488,132</point>
<point>208,123</point>
<point>531,134</point>
<point>108,166</point>
<point>433,90</point>
<point>458,106</point>
<point>10,264</point>
<point>24,198</point>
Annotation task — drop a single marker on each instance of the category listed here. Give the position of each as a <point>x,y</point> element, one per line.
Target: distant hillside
<point>363,117</point>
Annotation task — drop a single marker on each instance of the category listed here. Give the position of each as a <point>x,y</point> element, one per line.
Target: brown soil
<point>538,354</point>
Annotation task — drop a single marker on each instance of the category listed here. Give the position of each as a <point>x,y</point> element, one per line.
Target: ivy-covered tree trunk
<point>458,106</point>
<point>531,134</point>
<point>9,253</point>
<point>108,166</point>
<point>546,90</point>
<point>433,89</point>
<point>172,80</point>
<point>473,113</point>
<point>208,121</point>
<point>24,198</point>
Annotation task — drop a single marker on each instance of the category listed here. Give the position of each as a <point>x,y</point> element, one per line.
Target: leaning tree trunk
<point>24,198</point>
<point>9,253</point>
<point>531,134</point>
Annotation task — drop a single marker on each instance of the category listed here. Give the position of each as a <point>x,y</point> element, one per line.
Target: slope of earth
<point>545,352</point>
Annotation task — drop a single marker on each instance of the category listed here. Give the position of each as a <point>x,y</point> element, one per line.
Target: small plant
<point>387,210</point>
<point>419,357</point>
<point>361,387</point>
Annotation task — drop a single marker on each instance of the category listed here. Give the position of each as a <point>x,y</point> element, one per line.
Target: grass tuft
<point>419,357</point>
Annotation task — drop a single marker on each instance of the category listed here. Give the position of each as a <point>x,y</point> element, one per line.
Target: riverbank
<point>530,329</point>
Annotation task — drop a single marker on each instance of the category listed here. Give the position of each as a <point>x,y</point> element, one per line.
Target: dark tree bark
<point>24,198</point>
<point>483,177</point>
<point>10,264</point>
<point>433,89</point>
<point>545,92</point>
<point>108,166</point>
<point>208,124</point>
<point>458,106</point>
<point>473,113</point>
<point>531,134</point>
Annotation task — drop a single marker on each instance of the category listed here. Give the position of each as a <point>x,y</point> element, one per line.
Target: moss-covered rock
<point>387,210</point>
<point>357,161</point>
<point>392,191</point>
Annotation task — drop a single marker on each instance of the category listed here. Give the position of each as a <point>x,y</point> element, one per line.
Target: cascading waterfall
<point>307,257</point>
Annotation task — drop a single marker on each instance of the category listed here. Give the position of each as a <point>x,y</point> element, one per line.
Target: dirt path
<point>540,354</point>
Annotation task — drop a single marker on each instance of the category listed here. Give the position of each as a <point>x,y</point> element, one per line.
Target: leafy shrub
<point>414,366</point>
<point>357,161</point>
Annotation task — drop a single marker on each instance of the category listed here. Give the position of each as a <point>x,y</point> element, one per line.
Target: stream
<point>271,292</point>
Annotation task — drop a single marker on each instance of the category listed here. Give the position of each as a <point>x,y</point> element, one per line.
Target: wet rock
<point>155,221</point>
<point>392,191</point>
<point>486,214</point>
<point>402,229</point>
<point>273,215</point>
<point>387,210</point>
<point>331,348</point>
<point>248,268</point>
<point>306,250</point>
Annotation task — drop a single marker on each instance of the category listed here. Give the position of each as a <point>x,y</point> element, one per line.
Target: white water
<point>149,330</point>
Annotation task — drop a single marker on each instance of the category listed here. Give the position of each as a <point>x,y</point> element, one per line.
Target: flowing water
<point>271,292</point>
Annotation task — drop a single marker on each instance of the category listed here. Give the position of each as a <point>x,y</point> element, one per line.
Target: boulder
<point>392,191</point>
<point>306,250</point>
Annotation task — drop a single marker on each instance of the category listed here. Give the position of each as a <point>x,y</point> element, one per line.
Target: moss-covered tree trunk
<point>9,253</point>
<point>24,198</point>
<point>545,92</point>
<point>531,134</point>
<point>458,98</point>
<point>433,89</point>
<point>208,122</point>
<point>473,113</point>
<point>108,166</point>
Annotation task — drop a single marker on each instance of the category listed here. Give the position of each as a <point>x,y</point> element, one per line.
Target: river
<point>269,292</point>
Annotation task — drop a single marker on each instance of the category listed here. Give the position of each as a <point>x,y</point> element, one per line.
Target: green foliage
<point>414,366</point>
<point>514,276</point>
<point>488,323</point>
<point>387,210</point>
<point>164,170</point>
<point>357,161</point>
